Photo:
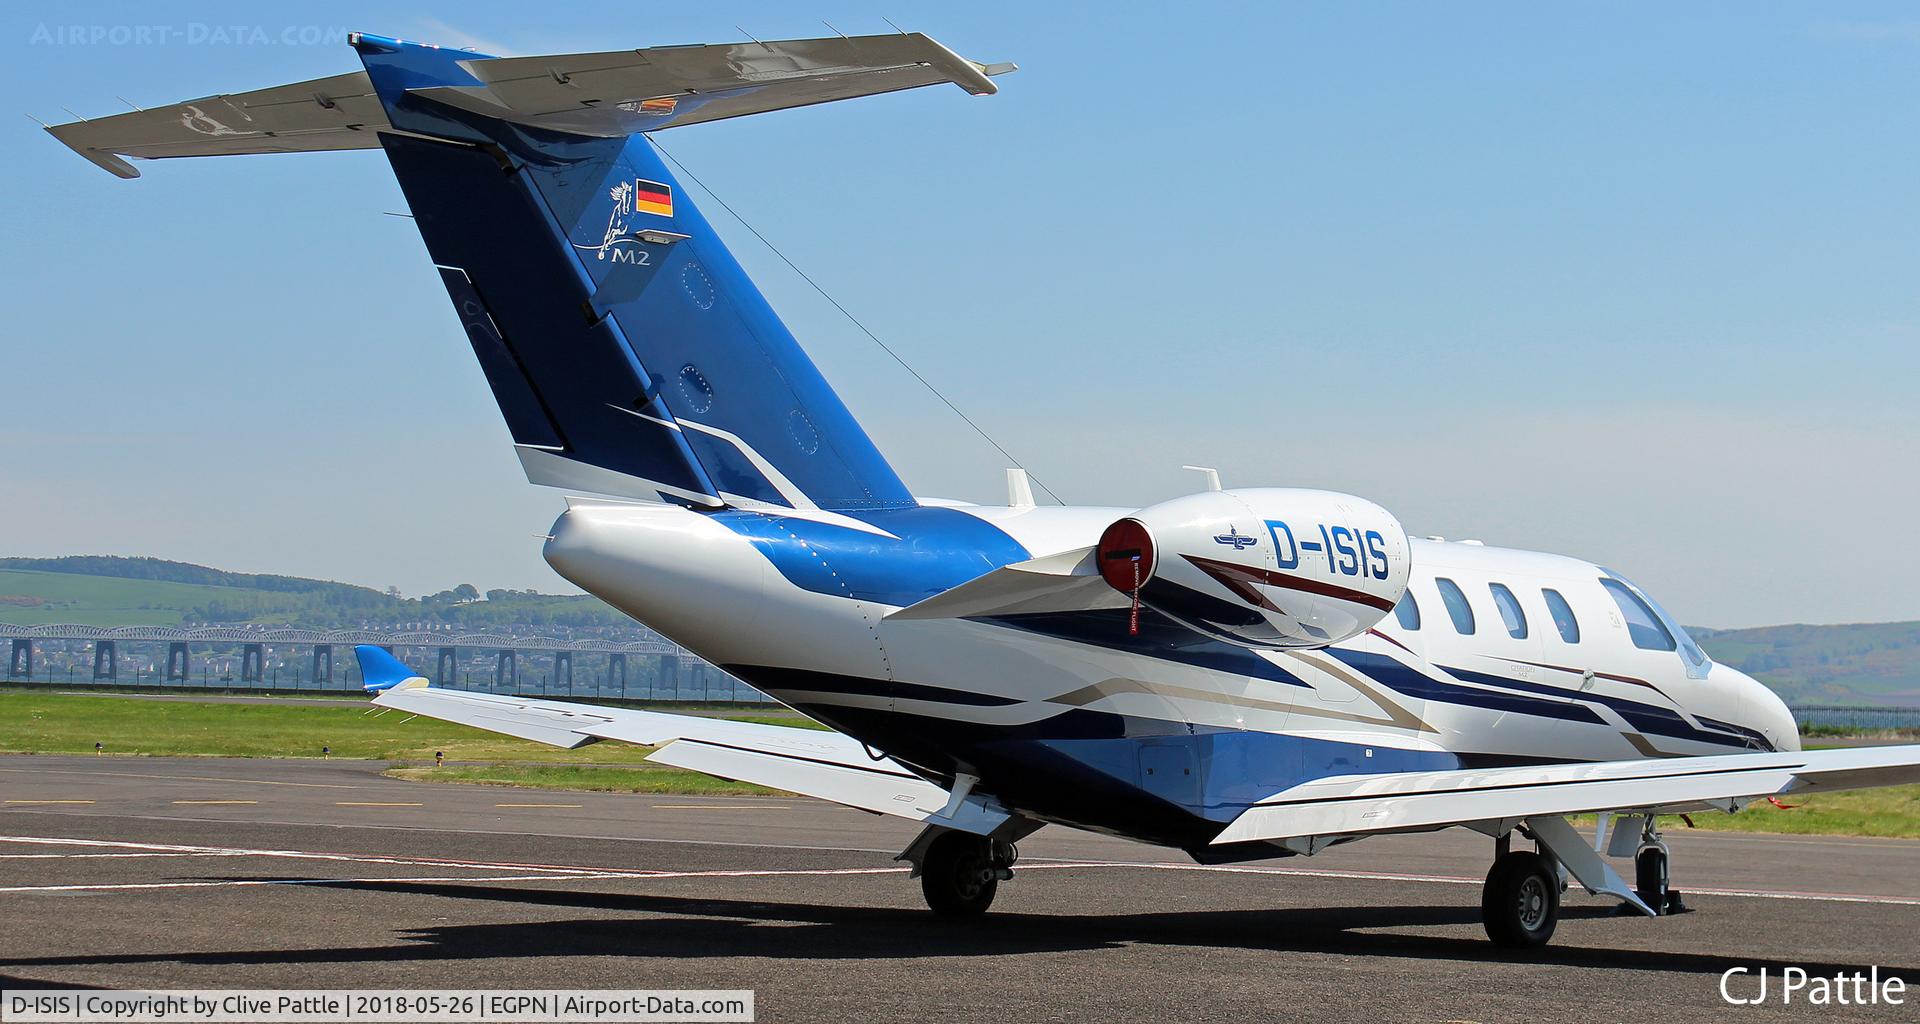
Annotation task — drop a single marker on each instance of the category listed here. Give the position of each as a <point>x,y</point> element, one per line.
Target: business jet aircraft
<point>1238,674</point>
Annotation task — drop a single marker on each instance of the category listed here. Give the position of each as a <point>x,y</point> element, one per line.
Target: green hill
<point>103,590</point>
<point>1858,663</point>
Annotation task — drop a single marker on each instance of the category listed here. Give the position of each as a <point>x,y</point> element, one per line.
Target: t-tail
<point>627,349</point>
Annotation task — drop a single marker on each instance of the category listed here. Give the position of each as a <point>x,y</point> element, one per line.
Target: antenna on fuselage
<point>1019,488</point>
<point>1212,475</point>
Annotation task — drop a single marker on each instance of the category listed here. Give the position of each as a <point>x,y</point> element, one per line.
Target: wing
<point>1412,801</point>
<point>824,765</point>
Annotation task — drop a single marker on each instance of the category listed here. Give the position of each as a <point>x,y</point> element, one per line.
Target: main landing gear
<point>1520,904</point>
<point>960,871</point>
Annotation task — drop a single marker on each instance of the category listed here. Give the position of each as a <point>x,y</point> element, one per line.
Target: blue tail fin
<point>628,350</point>
<point>380,670</point>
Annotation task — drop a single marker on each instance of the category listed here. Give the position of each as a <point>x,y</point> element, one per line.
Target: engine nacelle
<point>1262,567</point>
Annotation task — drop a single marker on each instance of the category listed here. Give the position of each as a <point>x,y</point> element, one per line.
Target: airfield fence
<point>243,659</point>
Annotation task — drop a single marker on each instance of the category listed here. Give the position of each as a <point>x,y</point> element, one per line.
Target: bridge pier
<point>668,674</point>
<point>253,659</point>
<point>22,662</point>
<point>106,663</point>
<point>445,667</point>
<point>563,670</point>
<point>506,672</point>
<point>616,669</point>
<point>178,668</point>
<point>323,664</point>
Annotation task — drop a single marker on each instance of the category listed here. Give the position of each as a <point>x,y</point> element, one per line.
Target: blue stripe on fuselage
<point>932,550</point>
<point>1159,637</point>
<point>1414,683</point>
<point>1647,718</point>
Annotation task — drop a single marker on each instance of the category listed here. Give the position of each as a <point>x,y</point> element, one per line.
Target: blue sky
<point>1635,283</point>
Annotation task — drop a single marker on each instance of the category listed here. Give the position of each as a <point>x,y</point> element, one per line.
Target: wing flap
<point>1363,804</point>
<point>869,789</point>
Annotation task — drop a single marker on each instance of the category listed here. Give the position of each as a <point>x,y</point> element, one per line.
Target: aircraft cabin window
<point>1563,619</point>
<point>1408,612</point>
<point>1510,611</point>
<point>1648,633</point>
<point>1457,607</point>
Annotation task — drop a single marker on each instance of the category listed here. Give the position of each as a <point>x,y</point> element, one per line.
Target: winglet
<point>382,671</point>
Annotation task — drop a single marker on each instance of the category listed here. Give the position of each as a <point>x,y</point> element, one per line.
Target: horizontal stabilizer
<point>1409,801</point>
<point>627,91</point>
<point>341,112</point>
<point>607,95</point>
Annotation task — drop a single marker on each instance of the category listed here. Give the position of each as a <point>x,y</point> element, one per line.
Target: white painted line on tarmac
<point>238,851</point>
<point>1038,862</point>
<point>719,807</point>
<point>189,778</point>
<point>519,833</point>
<point>1394,876</point>
<point>100,856</point>
<point>240,882</point>
<point>569,874</point>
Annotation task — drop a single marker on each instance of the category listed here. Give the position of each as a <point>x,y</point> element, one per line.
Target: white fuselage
<point>1192,726</point>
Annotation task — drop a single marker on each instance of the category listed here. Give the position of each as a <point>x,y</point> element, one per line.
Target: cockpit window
<point>1646,629</point>
<point>1457,607</point>
<point>1563,619</point>
<point>1698,664</point>
<point>1407,612</point>
<point>1511,614</point>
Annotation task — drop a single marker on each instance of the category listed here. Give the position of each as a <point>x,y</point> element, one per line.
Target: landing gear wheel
<point>959,875</point>
<point>1521,902</point>
<point>1650,878</point>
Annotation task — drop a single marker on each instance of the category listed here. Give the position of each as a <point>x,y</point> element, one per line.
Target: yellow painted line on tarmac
<point>371,803</point>
<point>49,801</point>
<point>214,803</point>
<point>536,805</point>
<point>721,807</point>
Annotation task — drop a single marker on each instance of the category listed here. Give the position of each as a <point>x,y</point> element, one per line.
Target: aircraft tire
<point>1520,904</point>
<point>957,876</point>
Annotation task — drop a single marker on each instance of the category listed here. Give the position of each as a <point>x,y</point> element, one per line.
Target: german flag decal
<point>652,197</point>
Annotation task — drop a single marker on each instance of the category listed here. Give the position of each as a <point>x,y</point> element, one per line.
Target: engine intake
<point>1261,567</point>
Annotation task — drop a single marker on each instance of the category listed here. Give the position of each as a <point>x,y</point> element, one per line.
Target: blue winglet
<point>380,670</point>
